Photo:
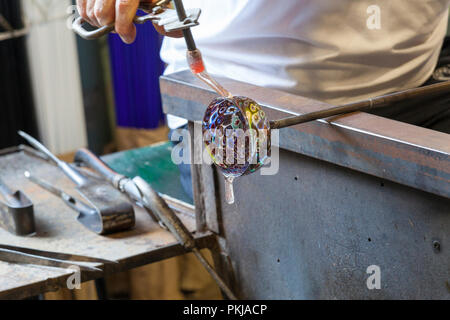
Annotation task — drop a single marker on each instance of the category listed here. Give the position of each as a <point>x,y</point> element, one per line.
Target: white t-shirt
<point>335,51</point>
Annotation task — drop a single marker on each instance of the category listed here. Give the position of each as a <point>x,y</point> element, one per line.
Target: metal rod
<point>22,257</point>
<point>73,174</point>
<point>152,201</point>
<point>364,105</point>
<point>187,33</point>
<point>228,293</point>
<point>58,255</point>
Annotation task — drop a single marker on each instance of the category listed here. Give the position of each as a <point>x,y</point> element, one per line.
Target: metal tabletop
<point>58,229</point>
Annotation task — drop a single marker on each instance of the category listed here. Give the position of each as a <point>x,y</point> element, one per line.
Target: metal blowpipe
<point>364,105</point>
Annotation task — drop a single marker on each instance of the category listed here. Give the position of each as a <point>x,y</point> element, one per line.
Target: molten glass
<point>236,131</point>
<point>195,61</point>
<point>197,66</point>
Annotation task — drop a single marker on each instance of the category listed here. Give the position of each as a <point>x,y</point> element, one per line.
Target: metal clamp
<point>164,17</point>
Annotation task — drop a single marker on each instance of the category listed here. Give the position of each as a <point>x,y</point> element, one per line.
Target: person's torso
<point>331,50</point>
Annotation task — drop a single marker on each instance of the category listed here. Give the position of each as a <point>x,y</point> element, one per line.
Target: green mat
<point>153,164</point>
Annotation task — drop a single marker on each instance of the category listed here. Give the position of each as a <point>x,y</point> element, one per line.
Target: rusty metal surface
<point>381,147</point>
<point>59,231</point>
<point>317,235</point>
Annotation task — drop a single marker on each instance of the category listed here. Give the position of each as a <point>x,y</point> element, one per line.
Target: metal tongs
<point>15,254</point>
<point>159,13</point>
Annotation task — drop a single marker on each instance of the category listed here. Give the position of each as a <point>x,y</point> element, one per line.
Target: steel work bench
<point>58,230</point>
<point>351,192</point>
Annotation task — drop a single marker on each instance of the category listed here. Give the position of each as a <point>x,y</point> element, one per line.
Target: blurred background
<point>101,94</point>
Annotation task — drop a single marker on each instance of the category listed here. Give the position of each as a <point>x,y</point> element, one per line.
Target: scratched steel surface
<point>360,191</point>
<point>58,230</point>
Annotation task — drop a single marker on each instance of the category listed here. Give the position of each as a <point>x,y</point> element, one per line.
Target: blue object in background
<point>136,69</point>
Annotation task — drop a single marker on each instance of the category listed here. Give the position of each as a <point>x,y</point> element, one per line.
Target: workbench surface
<point>58,229</point>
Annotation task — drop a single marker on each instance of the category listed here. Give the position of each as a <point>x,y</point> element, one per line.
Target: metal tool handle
<point>152,200</point>
<point>22,257</point>
<point>89,159</point>
<point>146,5</point>
<point>77,26</point>
<point>73,174</point>
<point>78,206</point>
<point>187,34</point>
<point>57,255</point>
<point>92,161</point>
<point>144,193</point>
<point>158,14</point>
<point>70,201</point>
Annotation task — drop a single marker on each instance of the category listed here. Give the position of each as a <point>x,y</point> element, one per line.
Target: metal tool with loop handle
<point>160,15</point>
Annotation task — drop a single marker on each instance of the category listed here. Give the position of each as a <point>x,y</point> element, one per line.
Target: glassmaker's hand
<point>103,12</point>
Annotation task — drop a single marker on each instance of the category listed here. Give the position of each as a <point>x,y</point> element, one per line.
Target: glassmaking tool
<point>158,13</point>
<point>15,254</point>
<point>108,211</point>
<point>16,212</point>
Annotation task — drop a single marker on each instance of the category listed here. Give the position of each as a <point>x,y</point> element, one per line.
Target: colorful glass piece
<point>236,134</point>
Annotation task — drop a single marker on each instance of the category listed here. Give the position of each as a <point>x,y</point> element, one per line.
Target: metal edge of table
<point>204,241</point>
<point>388,149</point>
